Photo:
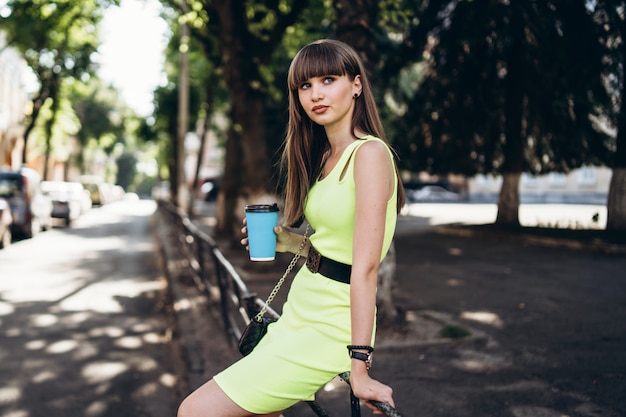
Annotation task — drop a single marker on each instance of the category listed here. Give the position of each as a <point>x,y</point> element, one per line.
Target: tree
<point>204,95</point>
<point>611,23</point>
<point>241,40</point>
<point>501,91</point>
<point>357,24</point>
<point>102,118</point>
<point>57,40</point>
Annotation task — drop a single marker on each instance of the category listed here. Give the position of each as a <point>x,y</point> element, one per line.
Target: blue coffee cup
<point>260,220</point>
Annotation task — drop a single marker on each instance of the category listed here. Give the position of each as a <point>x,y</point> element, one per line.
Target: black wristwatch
<point>362,356</point>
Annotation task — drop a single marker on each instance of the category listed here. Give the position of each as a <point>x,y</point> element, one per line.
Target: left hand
<point>285,241</point>
<point>367,388</point>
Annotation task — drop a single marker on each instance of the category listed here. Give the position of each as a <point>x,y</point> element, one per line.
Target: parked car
<point>30,208</point>
<point>433,193</point>
<point>67,201</point>
<point>116,193</point>
<point>96,189</point>
<point>5,224</point>
<point>83,195</point>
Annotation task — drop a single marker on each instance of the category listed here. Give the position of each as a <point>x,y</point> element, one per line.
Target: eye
<point>329,80</point>
<point>305,86</point>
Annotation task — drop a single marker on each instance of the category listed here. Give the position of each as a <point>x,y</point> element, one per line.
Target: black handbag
<point>257,327</point>
<point>254,331</point>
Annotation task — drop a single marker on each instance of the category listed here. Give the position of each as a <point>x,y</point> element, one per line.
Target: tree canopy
<point>465,87</point>
<point>57,40</point>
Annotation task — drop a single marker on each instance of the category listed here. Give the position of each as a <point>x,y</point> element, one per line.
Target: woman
<point>342,177</point>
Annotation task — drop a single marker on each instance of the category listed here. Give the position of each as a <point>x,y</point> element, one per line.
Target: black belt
<point>334,270</point>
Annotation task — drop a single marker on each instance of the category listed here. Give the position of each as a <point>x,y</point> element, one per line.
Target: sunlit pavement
<point>422,216</point>
<point>81,330</point>
<point>574,216</point>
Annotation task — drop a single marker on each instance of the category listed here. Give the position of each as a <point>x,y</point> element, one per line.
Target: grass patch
<point>454,331</point>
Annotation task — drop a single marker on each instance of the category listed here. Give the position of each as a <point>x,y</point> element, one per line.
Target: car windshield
<point>10,187</point>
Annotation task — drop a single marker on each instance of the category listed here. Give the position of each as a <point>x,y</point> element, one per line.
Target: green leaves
<point>497,73</point>
<point>58,40</point>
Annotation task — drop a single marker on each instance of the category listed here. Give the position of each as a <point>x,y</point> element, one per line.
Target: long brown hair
<point>306,142</point>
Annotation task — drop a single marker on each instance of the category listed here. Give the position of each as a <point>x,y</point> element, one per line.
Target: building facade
<point>13,101</point>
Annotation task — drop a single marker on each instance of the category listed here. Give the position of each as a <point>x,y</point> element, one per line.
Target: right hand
<point>244,231</point>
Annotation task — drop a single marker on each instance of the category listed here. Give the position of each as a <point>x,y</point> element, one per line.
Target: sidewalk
<point>552,317</point>
<point>547,328</point>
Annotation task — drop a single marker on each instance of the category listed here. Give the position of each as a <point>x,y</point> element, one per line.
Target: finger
<point>372,407</point>
<point>384,406</point>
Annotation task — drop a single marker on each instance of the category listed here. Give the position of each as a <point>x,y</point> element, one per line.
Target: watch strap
<point>365,357</point>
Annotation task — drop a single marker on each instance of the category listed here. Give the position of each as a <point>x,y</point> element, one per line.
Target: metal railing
<point>213,273</point>
<point>218,280</point>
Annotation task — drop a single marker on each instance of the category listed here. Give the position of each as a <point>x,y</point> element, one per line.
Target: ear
<point>357,88</point>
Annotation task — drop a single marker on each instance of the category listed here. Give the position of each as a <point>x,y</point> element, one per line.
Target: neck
<point>340,138</point>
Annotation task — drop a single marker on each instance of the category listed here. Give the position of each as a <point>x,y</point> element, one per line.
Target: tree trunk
<point>249,112</point>
<point>205,127</point>
<point>54,110</point>
<point>230,189</point>
<point>172,165</point>
<point>356,23</point>
<point>616,205</point>
<point>37,104</point>
<point>387,312</point>
<point>508,203</point>
<point>248,122</point>
<point>182,192</point>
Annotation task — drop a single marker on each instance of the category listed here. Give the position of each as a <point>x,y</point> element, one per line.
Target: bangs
<point>315,60</point>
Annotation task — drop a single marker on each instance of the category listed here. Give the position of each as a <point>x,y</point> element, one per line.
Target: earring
<point>356,95</point>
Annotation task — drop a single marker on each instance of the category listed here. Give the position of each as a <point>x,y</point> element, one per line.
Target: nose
<point>316,92</point>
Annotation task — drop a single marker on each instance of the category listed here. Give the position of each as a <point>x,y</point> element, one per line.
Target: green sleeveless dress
<point>306,348</point>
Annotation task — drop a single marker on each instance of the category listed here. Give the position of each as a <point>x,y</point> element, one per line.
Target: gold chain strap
<point>293,262</point>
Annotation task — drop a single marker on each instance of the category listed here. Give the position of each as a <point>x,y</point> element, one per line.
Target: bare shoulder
<point>371,151</point>
<point>373,169</point>
<point>373,148</point>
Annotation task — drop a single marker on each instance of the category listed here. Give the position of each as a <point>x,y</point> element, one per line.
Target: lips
<point>319,109</point>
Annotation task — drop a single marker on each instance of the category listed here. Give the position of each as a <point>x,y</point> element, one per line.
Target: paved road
<point>547,323</point>
<point>552,323</point>
<point>82,328</point>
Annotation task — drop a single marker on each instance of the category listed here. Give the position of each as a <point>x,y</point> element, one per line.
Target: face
<point>329,100</point>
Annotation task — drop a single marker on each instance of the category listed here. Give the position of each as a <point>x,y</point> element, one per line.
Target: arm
<point>375,182</point>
